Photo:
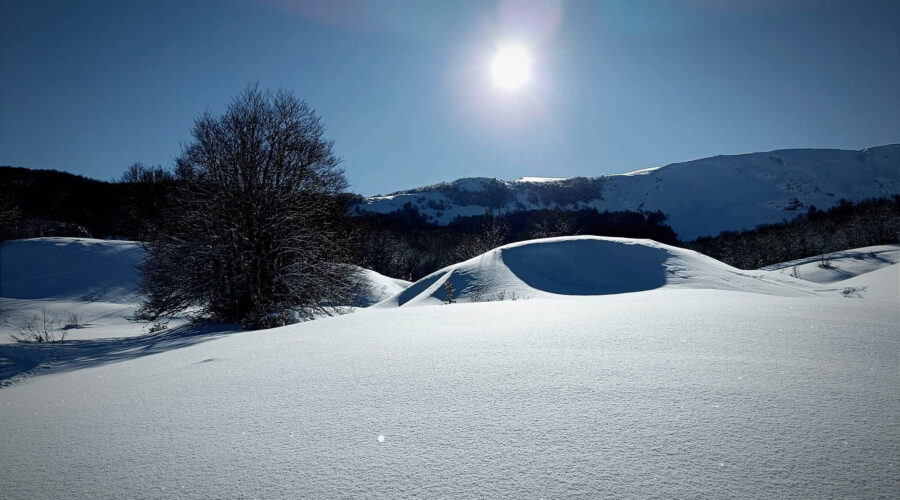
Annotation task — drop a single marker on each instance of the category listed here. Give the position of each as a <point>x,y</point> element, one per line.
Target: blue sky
<point>404,87</point>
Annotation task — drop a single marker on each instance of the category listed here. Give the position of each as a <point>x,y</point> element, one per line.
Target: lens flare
<point>511,67</point>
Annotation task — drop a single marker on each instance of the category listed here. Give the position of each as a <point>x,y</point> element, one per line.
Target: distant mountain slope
<point>701,197</point>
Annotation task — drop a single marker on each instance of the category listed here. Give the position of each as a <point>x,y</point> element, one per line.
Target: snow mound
<point>839,266</point>
<point>75,269</point>
<point>378,287</point>
<point>586,265</point>
<point>883,283</point>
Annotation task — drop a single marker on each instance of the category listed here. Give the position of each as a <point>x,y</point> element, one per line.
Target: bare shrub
<point>75,321</point>
<point>157,326</point>
<point>41,328</point>
<point>450,290</point>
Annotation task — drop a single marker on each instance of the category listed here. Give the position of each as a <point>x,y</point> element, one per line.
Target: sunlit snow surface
<point>664,392</point>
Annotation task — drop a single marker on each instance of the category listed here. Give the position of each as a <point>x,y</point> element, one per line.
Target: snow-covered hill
<point>700,197</point>
<point>586,265</point>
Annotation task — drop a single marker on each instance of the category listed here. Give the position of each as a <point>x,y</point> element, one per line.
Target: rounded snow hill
<point>586,265</point>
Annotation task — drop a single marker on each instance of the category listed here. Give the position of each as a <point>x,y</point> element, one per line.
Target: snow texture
<point>693,388</point>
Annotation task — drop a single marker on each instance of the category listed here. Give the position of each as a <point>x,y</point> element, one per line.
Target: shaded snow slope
<point>74,269</point>
<point>586,265</point>
<point>664,393</point>
<point>94,279</point>
<point>839,266</point>
<point>700,197</point>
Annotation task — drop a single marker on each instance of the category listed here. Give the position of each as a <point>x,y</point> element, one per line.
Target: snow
<point>96,279</point>
<point>540,180</point>
<point>668,392</point>
<point>586,265</point>
<point>700,197</point>
<point>699,381</point>
<point>70,269</point>
<point>881,284</point>
<point>841,265</point>
<point>643,171</point>
<point>379,287</point>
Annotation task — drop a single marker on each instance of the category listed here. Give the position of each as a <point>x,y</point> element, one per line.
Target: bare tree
<point>547,224</point>
<point>254,227</point>
<point>494,233</point>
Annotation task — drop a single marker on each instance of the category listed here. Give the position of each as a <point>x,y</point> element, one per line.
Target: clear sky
<point>405,87</point>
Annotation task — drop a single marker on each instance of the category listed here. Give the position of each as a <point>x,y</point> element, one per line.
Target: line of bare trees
<point>844,226</point>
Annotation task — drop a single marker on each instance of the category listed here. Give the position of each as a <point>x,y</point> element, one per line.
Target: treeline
<point>37,203</point>
<point>844,226</point>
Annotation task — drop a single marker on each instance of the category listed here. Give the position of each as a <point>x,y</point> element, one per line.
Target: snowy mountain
<point>700,198</point>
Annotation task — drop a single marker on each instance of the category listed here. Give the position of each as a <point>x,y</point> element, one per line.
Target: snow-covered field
<point>685,378</point>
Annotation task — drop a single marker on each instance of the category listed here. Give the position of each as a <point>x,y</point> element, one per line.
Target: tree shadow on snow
<point>21,361</point>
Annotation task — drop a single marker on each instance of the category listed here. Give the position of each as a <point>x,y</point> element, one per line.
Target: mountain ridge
<point>699,197</point>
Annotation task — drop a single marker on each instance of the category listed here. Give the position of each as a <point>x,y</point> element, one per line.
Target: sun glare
<point>511,67</point>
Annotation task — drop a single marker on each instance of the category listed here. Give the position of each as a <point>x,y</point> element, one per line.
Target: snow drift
<point>586,265</point>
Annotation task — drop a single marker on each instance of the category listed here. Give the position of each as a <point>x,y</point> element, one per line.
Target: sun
<point>511,67</point>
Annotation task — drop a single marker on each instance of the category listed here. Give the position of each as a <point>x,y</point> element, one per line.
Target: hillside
<point>701,197</point>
